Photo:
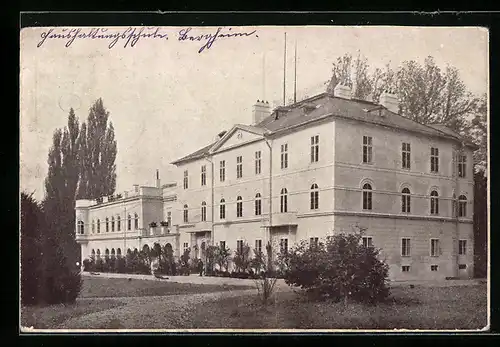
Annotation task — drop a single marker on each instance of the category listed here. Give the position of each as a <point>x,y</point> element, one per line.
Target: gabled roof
<point>325,105</point>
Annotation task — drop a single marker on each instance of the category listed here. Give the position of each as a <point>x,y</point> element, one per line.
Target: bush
<point>121,266</point>
<point>341,268</point>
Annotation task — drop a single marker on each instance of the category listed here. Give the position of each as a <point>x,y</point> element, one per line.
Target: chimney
<point>260,111</point>
<point>389,100</point>
<point>136,188</point>
<point>158,181</point>
<point>342,91</point>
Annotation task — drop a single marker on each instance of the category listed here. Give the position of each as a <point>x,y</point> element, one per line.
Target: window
<point>203,211</point>
<point>313,242</point>
<point>112,223</point>
<point>239,246</point>
<point>118,252</point>
<point>98,253</point>
<point>435,248</point>
<point>462,206</point>
<point>434,267</point>
<point>405,268</point>
<point>257,162</point>
<point>186,247</point>
<point>284,246</point>
<point>367,241</point>
<point>93,226</point>
<point>314,197</point>
<point>169,219</point>
<point>405,247</point>
<point>80,227</point>
<point>239,207</point>
<point>107,224</point>
<point>462,266</point>
<point>284,200</point>
<point>222,170</point>
<point>203,175</point>
<point>462,247</point>
<point>185,179</point>
<point>185,214</point>
<point>434,203</point>
<point>284,156</point>
<point>367,149</point>
<point>118,223</point>
<point>434,159</point>
<point>462,165</point>
<point>314,148</point>
<point>405,200</point>
<point>129,222</point>
<point>239,167</point>
<point>258,246</point>
<point>136,221</point>
<point>258,204</point>
<point>367,196</point>
<point>222,209</point>
<point>406,155</point>
<point>222,244</point>
<point>454,205</point>
<point>98,226</point>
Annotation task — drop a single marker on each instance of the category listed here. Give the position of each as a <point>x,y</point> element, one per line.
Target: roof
<point>326,105</point>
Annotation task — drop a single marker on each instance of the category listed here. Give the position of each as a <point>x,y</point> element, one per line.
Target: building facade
<point>325,165</point>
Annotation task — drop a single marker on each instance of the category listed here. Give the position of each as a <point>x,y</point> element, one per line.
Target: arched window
<point>106,253</point>
<point>92,254</point>
<point>98,253</point>
<point>434,203</point>
<point>203,211</point>
<point>93,226</point>
<point>113,252</point>
<point>239,207</point>
<point>80,227</point>
<point>136,221</point>
<point>118,223</point>
<point>367,196</point>
<point>222,209</point>
<point>405,200</point>
<point>107,224</point>
<point>258,204</point>
<point>129,222</point>
<point>186,217</point>
<point>314,197</point>
<point>118,252</point>
<point>462,206</point>
<point>284,201</point>
<point>112,224</point>
<point>98,226</point>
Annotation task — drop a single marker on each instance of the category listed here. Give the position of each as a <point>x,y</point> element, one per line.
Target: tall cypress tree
<point>97,154</point>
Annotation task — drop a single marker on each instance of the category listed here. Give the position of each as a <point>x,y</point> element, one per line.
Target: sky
<point>167,100</point>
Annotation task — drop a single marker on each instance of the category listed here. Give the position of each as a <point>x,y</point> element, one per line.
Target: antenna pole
<point>284,74</point>
<point>295,79</point>
<point>264,76</point>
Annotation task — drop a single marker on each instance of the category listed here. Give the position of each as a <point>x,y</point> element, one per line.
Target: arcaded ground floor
<point>414,249</point>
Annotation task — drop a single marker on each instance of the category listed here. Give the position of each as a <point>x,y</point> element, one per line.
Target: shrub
<point>341,268</point>
<point>88,265</point>
<point>222,257</point>
<point>121,265</point>
<point>242,258</point>
<point>99,265</point>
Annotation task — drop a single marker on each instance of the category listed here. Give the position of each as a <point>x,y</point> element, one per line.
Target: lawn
<point>420,307</point>
<point>99,294</point>
<point>121,287</point>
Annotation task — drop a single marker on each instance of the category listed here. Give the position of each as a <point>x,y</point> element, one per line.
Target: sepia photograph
<point>254,178</point>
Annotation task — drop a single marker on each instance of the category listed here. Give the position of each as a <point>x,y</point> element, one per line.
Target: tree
<point>31,248</point>
<point>60,187</point>
<point>222,257</point>
<point>340,268</point>
<point>353,73</point>
<point>242,258</point>
<point>211,257</point>
<point>97,154</point>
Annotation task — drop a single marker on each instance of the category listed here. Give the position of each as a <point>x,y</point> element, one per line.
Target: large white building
<point>324,165</point>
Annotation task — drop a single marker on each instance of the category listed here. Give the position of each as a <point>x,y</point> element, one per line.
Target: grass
<point>47,317</point>
<point>122,287</point>
<point>420,307</point>
<point>93,298</point>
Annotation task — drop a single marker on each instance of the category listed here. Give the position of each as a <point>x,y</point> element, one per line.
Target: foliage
<point>340,268</point>
<point>222,257</point>
<point>258,261</point>
<point>45,274</point>
<point>211,257</point>
<point>242,259</point>
<point>480,225</point>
